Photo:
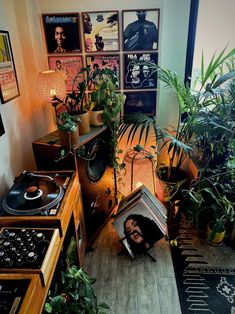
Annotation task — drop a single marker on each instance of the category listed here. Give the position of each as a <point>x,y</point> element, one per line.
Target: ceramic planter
<point>69,138</point>
<point>96,118</point>
<point>84,124</point>
<point>218,237</point>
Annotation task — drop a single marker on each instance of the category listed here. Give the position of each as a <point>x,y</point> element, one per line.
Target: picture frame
<point>9,88</point>
<point>69,66</point>
<point>62,32</point>
<point>111,61</point>
<point>140,101</point>
<point>2,130</point>
<point>138,75</point>
<point>141,221</point>
<point>101,31</point>
<point>140,29</point>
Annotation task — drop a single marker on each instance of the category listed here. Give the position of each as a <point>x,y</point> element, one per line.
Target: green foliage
<point>66,122</point>
<point>76,295</point>
<point>103,95</point>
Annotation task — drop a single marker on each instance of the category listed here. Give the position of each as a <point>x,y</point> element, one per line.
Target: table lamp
<point>51,84</point>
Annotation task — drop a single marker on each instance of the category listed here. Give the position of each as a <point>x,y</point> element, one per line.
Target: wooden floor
<point>138,286</point>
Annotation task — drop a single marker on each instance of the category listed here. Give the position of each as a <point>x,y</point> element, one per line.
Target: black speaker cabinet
<point>97,182</point>
<point>95,174</point>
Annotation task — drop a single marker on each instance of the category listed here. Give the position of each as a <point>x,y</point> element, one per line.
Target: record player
<point>40,199</point>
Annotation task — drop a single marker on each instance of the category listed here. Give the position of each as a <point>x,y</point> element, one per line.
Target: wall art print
<point>137,74</point>
<point>68,67</point>
<point>104,61</point>
<point>62,32</point>
<point>8,80</point>
<point>140,29</point>
<point>101,31</point>
<point>140,101</point>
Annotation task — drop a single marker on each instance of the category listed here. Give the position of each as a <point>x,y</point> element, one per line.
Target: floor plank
<point>138,286</point>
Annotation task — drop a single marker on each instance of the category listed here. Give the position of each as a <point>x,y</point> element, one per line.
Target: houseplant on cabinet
<point>105,84</point>
<point>68,129</point>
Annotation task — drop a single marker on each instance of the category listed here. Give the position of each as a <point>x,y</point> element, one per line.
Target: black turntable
<point>39,199</point>
<point>34,194</point>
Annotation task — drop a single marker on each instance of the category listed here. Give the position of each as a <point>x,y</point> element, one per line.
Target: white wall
<point>26,118</point>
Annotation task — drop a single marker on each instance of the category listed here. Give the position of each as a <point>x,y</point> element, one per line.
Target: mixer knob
<point>31,245</point>
<point>40,237</point>
<point>23,232</point>
<point>13,250</point>
<point>6,233</point>
<point>24,251</point>
<point>2,254</point>
<point>18,240</point>
<point>7,245</point>
<point>29,239</point>
<point>11,235</point>
<point>19,260</point>
<point>31,257</point>
<point>7,261</point>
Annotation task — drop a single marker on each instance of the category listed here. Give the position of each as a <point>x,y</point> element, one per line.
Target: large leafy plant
<point>76,295</point>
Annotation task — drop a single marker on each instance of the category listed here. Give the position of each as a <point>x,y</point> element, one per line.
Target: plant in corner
<point>76,294</point>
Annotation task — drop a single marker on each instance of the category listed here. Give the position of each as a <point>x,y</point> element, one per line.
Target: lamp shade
<point>50,84</point>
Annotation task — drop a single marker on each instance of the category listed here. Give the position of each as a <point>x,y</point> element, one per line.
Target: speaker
<point>97,180</point>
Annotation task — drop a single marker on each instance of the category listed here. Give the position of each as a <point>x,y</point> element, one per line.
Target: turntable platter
<point>32,196</point>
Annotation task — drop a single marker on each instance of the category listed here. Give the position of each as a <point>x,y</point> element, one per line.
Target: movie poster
<point>69,68</point>
<point>8,80</point>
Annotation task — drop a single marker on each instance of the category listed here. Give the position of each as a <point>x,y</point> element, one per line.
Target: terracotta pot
<point>96,118</point>
<point>69,138</point>
<point>84,124</point>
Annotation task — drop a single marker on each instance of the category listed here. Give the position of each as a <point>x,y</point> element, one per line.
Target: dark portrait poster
<point>68,67</point>
<point>140,71</point>
<point>141,29</point>
<point>61,32</point>
<point>144,102</point>
<point>101,31</point>
<point>104,62</point>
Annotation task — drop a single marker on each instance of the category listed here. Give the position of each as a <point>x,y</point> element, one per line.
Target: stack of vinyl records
<point>140,221</point>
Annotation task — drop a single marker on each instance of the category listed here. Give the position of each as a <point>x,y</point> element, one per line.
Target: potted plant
<point>68,129</point>
<point>75,294</point>
<point>105,83</point>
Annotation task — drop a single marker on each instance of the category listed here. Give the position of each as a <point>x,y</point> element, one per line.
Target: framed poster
<point>101,31</point>
<point>2,130</point>
<point>62,32</point>
<point>140,29</point>
<point>69,67</point>
<point>9,88</point>
<point>141,101</point>
<point>104,61</point>
<point>138,72</point>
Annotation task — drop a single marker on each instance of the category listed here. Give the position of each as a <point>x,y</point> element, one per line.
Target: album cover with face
<point>140,221</point>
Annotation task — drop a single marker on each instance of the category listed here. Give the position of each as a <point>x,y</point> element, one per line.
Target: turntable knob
<point>31,257</point>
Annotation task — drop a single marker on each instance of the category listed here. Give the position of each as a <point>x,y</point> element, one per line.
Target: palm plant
<point>208,115</point>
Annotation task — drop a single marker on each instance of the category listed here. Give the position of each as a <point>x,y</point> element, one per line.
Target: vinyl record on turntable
<point>32,195</point>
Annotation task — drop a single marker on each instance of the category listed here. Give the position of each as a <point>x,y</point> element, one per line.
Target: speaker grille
<point>96,160</point>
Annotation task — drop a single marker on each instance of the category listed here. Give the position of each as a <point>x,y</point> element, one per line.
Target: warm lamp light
<point>51,83</point>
